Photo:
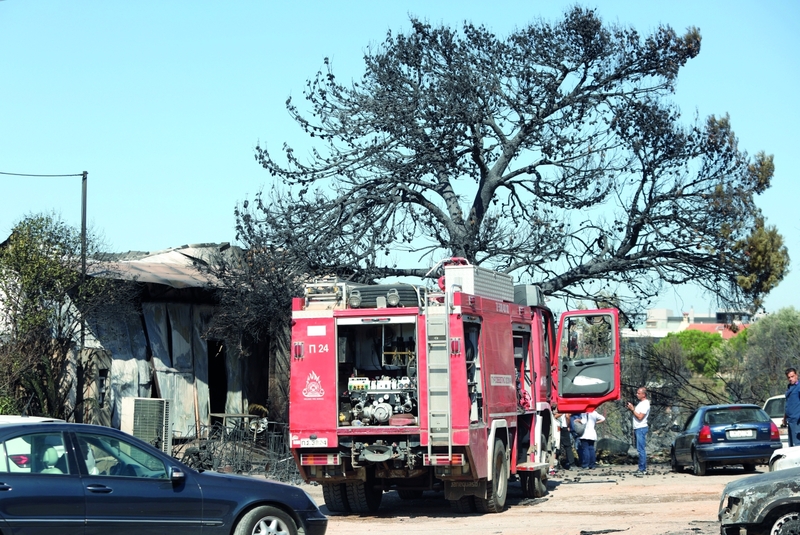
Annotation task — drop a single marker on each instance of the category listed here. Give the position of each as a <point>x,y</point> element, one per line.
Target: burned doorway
<point>217,376</point>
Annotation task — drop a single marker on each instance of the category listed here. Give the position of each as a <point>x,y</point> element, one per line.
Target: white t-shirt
<point>590,419</point>
<point>562,421</point>
<point>643,407</point>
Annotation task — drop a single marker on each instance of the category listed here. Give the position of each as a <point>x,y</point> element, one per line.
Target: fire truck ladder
<point>439,417</point>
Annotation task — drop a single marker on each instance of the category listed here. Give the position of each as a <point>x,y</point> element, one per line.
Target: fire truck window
<point>589,337</point>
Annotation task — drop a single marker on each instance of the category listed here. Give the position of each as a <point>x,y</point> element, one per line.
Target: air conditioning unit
<point>148,419</point>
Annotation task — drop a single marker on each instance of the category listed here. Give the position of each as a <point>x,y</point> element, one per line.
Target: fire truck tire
<point>363,497</point>
<point>497,490</point>
<point>335,496</point>
<point>464,505</point>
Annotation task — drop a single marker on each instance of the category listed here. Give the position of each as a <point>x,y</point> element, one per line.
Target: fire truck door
<point>588,361</point>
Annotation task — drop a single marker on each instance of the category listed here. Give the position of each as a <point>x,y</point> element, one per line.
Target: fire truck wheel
<point>463,505</point>
<point>364,497</point>
<point>497,491</point>
<point>335,496</point>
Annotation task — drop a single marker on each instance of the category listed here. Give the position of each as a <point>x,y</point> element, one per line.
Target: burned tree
<point>552,153</point>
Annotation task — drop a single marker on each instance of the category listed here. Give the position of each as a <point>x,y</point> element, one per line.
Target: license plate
<point>741,433</point>
<point>313,442</point>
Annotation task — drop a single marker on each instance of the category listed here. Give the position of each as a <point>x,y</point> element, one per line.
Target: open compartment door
<point>586,367</point>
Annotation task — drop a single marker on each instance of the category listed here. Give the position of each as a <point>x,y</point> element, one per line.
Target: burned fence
<point>256,447</point>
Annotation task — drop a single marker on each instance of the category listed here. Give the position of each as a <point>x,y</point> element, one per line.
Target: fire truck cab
<point>405,388</point>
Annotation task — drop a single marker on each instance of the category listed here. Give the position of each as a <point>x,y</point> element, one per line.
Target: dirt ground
<point>608,499</point>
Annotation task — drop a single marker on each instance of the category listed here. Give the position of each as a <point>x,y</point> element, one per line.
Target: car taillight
<point>774,432</point>
<point>704,435</point>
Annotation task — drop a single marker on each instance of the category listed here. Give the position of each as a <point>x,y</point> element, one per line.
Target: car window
<point>109,456</point>
<point>775,407</point>
<point>693,420</point>
<point>35,453</point>
<point>735,416</point>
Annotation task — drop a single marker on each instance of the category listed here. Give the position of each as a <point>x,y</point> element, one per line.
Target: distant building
<point>660,322</point>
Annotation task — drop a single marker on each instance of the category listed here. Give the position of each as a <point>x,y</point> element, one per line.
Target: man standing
<point>588,453</point>
<point>792,410</point>
<point>640,413</point>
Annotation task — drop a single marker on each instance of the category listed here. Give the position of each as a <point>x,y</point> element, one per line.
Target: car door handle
<point>3,486</point>
<point>100,489</point>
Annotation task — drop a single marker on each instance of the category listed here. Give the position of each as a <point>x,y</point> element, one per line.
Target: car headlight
<point>729,506</point>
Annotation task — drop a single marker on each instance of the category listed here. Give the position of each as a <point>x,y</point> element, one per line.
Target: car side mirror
<point>176,474</point>
<point>676,428</point>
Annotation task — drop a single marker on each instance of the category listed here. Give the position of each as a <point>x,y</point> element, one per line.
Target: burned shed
<point>165,353</point>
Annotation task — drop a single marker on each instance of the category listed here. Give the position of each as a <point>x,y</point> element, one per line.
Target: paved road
<point>579,502</point>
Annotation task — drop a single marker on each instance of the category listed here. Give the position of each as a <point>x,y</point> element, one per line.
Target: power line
<point>39,176</point>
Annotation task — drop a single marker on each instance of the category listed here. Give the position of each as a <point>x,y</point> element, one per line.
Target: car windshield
<point>775,407</point>
<point>735,416</point>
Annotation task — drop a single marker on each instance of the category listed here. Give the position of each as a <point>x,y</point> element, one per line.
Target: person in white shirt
<point>640,413</point>
<point>589,437</point>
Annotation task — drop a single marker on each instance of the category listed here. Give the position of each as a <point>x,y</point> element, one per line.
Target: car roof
<point>731,406</point>
<point>13,419</point>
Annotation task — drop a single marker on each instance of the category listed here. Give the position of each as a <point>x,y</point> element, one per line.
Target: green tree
<point>697,347</point>
<point>753,367</point>
<point>44,302</point>
<point>553,153</point>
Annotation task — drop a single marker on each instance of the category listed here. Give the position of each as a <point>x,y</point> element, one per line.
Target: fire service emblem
<point>313,387</point>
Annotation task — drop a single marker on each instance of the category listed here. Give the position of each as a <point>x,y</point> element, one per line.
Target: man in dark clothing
<point>576,437</point>
<point>565,451</point>
<point>792,411</point>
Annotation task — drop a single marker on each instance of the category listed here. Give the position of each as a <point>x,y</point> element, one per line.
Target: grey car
<point>766,503</point>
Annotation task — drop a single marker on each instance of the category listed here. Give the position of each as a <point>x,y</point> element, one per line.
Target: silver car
<point>761,504</point>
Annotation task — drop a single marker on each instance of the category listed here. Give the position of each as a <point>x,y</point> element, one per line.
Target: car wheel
<point>677,468</point>
<point>698,466</point>
<point>749,467</point>
<point>497,491</point>
<point>786,525</point>
<point>266,520</point>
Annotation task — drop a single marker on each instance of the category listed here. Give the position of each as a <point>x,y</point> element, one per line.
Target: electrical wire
<point>38,176</point>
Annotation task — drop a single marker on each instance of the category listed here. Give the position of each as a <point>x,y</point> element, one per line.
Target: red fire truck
<point>405,388</point>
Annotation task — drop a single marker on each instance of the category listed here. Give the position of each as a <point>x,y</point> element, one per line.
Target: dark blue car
<point>723,435</point>
<point>84,479</point>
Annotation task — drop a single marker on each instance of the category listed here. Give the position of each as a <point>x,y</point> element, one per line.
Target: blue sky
<point>163,102</point>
